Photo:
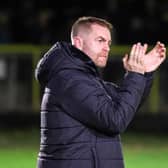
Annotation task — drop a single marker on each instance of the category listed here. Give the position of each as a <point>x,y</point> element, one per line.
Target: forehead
<point>99,30</point>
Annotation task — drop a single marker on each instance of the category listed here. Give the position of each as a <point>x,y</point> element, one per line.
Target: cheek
<point>92,50</point>
<point>96,49</point>
<point>89,49</point>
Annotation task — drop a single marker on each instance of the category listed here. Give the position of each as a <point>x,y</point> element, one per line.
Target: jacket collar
<point>80,58</point>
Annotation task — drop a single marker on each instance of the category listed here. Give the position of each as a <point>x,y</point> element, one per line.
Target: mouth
<point>104,56</point>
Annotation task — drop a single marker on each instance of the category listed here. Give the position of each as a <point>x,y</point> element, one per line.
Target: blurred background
<point>44,22</point>
<point>29,28</point>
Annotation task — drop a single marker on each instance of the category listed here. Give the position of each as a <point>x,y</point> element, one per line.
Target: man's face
<point>96,44</point>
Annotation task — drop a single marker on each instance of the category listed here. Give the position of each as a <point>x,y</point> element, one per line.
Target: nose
<point>107,47</point>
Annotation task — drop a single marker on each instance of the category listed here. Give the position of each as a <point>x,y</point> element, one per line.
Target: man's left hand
<point>155,57</point>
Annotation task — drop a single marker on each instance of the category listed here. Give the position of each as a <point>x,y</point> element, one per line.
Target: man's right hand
<point>135,61</point>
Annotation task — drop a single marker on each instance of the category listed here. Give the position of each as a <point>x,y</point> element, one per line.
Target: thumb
<point>124,60</point>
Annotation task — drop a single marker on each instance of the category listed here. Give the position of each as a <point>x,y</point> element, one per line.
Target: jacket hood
<point>62,56</point>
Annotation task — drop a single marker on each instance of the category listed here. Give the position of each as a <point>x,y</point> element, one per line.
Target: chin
<point>101,65</point>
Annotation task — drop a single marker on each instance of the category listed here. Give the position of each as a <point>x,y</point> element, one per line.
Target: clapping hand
<point>155,57</point>
<point>141,62</point>
<point>135,61</point>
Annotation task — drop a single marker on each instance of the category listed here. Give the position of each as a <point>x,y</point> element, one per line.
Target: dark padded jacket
<point>82,115</point>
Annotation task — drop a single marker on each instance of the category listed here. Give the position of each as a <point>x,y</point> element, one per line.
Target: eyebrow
<point>101,37</point>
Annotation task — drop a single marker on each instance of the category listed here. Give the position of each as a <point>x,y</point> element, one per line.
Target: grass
<point>18,158</point>
<point>145,150</point>
<point>19,149</point>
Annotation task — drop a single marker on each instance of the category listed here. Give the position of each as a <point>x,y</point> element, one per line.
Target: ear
<point>78,42</point>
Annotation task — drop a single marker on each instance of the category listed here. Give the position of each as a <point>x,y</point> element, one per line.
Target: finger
<point>156,47</point>
<point>140,56</point>
<point>162,58</point>
<point>145,47</point>
<point>132,51</point>
<point>138,53</point>
<point>163,52</point>
<point>137,49</point>
<point>162,49</point>
<point>159,45</point>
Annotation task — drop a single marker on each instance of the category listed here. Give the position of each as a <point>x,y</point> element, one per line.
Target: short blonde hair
<point>85,22</point>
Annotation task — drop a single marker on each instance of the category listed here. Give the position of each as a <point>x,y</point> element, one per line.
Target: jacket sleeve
<point>94,107</point>
<point>148,84</point>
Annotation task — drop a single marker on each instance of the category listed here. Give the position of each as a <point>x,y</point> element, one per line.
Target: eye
<point>101,40</point>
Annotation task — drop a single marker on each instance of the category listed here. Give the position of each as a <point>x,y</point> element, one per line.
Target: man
<point>82,116</point>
